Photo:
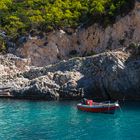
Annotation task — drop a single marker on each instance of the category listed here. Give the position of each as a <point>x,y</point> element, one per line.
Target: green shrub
<point>2,45</point>
<point>18,17</point>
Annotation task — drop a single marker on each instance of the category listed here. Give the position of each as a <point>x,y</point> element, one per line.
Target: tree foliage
<point>20,16</point>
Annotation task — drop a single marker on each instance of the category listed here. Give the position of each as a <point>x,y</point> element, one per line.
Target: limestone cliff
<point>113,73</point>
<point>58,45</point>
<point>109,75</point>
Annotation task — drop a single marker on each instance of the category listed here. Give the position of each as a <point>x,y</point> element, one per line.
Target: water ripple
<point>24,120</point>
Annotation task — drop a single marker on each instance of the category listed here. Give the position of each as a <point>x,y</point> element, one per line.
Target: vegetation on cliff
<point>19,17</point>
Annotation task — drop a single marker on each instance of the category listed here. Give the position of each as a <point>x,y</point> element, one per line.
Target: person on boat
<point>87,102</point>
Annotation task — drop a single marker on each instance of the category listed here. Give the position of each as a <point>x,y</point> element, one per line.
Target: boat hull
<point>98,108</point>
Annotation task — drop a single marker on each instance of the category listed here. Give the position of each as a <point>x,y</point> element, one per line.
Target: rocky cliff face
<point>58,45</point>
<point>113,73</point>
<point>10,67</point>
<point>109,75</point>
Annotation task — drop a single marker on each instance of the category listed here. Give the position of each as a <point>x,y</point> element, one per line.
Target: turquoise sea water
<point>40,120</point>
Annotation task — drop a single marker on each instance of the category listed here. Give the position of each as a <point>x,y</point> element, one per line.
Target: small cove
<point>40,120</point>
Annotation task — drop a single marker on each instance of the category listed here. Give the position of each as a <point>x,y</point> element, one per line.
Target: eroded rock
<point>59,45</point>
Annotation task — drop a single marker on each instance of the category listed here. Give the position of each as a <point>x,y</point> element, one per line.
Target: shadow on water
<point>130,105</point>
